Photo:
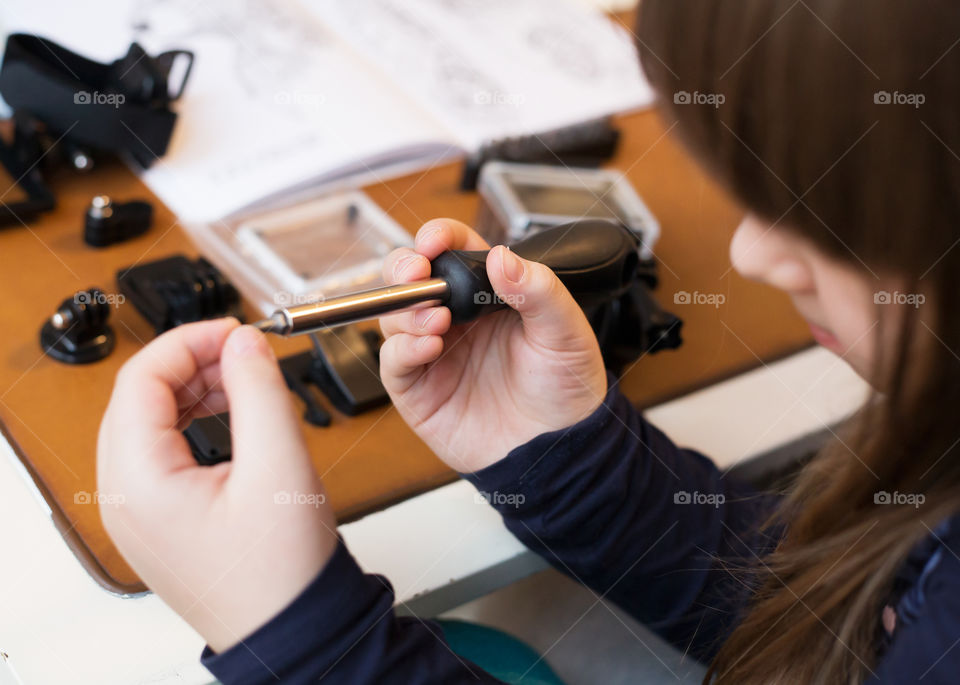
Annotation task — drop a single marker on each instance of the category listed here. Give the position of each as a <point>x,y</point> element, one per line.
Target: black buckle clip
<point>176,290</point>
<point>145,79</point>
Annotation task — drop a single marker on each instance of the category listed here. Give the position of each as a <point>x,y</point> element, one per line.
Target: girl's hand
<point>475,391</point>
<point>227,546</point>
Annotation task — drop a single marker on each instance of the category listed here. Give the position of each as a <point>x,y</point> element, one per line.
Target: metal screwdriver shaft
<point>338,311</point>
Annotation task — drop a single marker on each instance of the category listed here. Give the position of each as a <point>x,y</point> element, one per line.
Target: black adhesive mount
<point>78,332</point>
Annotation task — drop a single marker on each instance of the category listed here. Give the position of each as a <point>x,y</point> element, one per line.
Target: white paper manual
<point>301,93</point>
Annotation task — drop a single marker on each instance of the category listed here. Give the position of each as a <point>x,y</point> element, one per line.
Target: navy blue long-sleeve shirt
<point>613,503</point>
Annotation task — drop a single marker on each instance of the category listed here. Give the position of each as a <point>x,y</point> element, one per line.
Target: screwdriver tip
<point>274,324</point>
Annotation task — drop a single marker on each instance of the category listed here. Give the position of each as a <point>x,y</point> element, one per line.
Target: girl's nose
<point>771,255</point>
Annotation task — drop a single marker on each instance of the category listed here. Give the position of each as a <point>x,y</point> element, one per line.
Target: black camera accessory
<point>587,144</point>
<point>297,373</point>
<point>107,222</point>
<point>344,364</point>
<point>80,157</point>
<point>176,290</point>
<point>78,332</point>
<point>209,439</point>
<point>20,158</point>
<point>635,324</point>
<point>120,107</point>
<point>346,367</point>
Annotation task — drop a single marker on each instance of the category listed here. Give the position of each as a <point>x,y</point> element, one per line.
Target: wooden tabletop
<point>50,411</point>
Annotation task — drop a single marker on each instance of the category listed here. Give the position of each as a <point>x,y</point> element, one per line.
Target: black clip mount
<point>78,332</point>
<point>344,365</point>
<point>177,290</point>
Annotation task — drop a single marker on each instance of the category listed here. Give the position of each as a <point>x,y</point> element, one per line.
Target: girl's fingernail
<point>402,266</point>
<point>247,341</point>
<point>426,233</point>
<point>511,266</point>
<point>422,318</point>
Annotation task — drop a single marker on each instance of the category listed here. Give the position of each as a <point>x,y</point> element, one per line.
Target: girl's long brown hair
<point>840,121</point>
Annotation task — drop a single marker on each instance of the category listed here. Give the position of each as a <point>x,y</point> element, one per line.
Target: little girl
<point>838,132</point>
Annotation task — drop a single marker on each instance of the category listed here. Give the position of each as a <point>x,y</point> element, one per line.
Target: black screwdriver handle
<point>595,259</point>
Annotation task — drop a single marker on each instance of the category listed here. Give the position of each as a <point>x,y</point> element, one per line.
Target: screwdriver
<point>595,259</point>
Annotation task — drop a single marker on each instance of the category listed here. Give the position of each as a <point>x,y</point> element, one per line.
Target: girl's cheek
<point>848,300</point>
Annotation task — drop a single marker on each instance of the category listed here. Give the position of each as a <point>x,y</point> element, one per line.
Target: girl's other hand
<point>227,546</point>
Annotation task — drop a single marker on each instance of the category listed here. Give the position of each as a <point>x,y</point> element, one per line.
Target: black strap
<point>122,107</point>
<point>20,158</point>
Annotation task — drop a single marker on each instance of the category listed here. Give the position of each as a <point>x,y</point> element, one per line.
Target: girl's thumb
<point>550,315</point>
<point>266,438</point>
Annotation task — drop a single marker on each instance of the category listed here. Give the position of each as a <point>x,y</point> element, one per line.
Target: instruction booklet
<point>295,94</point>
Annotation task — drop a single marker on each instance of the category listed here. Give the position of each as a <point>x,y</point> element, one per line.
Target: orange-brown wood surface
<point>51,411</point>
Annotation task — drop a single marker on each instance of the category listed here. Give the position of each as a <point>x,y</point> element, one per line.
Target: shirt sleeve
<point>614,504</point>
<point>342,629</point>
<point>927,648</point>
